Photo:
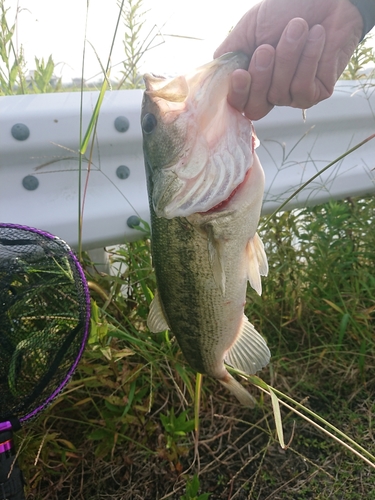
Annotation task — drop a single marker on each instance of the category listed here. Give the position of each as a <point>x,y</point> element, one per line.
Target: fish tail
<point>243,396</point>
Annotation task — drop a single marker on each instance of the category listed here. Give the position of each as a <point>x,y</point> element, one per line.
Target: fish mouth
<point>219,146</point>
<point>178,89</point>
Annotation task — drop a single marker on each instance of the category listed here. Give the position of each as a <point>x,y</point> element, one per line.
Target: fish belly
<point>204,320</point>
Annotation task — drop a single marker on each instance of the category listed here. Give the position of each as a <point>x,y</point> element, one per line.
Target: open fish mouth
<point>218,141</point>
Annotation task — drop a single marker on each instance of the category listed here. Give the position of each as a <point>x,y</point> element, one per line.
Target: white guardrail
<point>39,142</point>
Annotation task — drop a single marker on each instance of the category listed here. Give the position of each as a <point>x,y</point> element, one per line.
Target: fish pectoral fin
<point>250,352</point>
<point>257,264</point>
<point>215,252</point>
<point>156,321</point>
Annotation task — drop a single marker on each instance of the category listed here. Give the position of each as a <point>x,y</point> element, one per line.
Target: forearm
<point>367,10</point>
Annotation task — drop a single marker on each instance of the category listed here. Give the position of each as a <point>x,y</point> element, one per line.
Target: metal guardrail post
<point>39,165</point>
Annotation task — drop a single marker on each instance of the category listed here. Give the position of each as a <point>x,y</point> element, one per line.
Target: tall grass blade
<point>95,115</point>
<point>197,400</point>
<point>80,136</point>
<point>357,146</point>
<point>361,453</point>
<point>94,118</point>
<point>277,416</point>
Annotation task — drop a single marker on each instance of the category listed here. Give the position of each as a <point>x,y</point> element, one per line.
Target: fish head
<point>197,148</point>
<point>165,129</point>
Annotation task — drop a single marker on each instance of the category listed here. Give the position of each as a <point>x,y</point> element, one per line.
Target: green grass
<point>123,426</point>
<point>122,429</point>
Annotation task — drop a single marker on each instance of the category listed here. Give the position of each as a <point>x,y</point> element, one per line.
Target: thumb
<point>242,36</point>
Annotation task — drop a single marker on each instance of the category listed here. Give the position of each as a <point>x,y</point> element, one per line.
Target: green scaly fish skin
<point>205,187</point>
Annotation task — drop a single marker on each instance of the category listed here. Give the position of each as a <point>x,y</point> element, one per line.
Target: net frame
<point>36,409</point>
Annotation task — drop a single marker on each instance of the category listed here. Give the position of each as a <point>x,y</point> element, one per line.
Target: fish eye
<point>149,122</point>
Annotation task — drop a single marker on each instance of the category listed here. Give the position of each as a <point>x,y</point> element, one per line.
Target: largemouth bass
<point>205,186</point>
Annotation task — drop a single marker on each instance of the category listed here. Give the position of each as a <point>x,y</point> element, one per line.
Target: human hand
<point>298,50</point>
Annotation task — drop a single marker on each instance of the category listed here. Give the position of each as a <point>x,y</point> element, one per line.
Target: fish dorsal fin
<point>249,353</point>
<point>156,321</point>
<point>216,255</point>
<point>257,264</point>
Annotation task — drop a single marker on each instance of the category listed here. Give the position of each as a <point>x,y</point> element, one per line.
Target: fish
<point>205,186</point>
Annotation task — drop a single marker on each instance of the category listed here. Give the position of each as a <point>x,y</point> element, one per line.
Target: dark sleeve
<point>367,10</point>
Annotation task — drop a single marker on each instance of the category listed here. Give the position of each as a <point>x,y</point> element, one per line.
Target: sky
<point>54,27</point>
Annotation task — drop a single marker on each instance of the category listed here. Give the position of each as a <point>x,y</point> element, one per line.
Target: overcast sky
<point>57,27</point>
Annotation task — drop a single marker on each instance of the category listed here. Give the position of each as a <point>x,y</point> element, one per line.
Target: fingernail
<point>295,30</point>
<point>316,32</point>
<point>263,59</point>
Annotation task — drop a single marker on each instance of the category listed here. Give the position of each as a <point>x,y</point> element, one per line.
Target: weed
<point>192,489</point>
<point>135,44</point>
<point>362,57</point>
<point>12,69</point>
<point>13,79</point>
<point>176,426</point>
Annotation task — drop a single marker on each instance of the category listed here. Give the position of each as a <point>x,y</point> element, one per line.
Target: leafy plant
<point>43,76</point>
<point>136,43</point>
<point>176,427</point>
<point>192,489</point>
<point>363,56</point>
<point>13,79</point>
<point>12,64</point>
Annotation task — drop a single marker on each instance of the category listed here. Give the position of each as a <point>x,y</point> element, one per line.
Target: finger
<point>239,89</point>
<point>305,89</point>
<point>261,68</point>
<point>287,56</point>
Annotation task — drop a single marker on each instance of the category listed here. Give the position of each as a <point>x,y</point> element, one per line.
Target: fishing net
<point>44,319</point>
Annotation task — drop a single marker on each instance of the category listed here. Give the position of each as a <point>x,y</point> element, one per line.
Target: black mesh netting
<point>44,316</point>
